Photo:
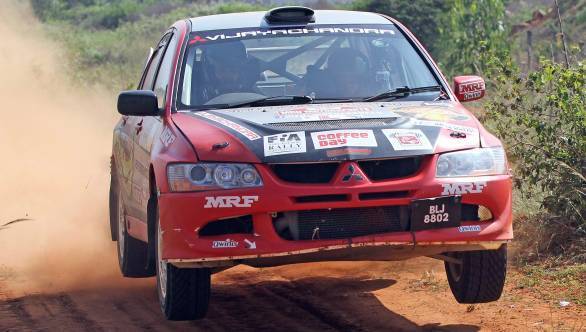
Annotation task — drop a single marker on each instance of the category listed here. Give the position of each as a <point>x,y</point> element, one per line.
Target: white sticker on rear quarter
<point>407,139</point>
<point>285,143</point>
<point>340,138</point>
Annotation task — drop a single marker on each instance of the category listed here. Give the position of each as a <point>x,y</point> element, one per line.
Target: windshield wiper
<point>273,101</point>
<point>333,100</point>
<point>402,92</point>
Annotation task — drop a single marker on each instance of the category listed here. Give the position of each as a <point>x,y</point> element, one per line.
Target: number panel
<point>432,213</point>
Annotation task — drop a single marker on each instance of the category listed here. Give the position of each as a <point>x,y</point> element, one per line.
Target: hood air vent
<point>290,14</point>
<point>331,124</point>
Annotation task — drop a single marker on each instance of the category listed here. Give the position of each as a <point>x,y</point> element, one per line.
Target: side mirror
<point>469,88</point>
<point>138,103</point>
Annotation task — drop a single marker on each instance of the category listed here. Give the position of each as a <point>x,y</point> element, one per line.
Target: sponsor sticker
<point>224,244</point>
<point>471,228</point>
<point>434,113</point>
<point>341,138</point>
<point>348,151</point>
<point>453,127</point>
<point>321,113</point>
<point>317,30</point>
<point>285,143</point>
<point>229,201</point>
<point>167,137</point>
<point>463,188</point>
<point>407,139</point>
<point>251,135</point>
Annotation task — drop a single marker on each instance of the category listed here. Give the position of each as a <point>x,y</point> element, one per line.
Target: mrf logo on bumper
<point>341,138</point>
<point>229,201</point>
<point>463,188</point>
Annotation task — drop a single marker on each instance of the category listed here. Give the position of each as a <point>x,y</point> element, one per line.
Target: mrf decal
<point>229,201</point>
<point>463,188</point>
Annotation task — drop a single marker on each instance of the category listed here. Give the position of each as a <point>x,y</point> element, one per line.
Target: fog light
<point>484,213</point>
<point>248,176</point>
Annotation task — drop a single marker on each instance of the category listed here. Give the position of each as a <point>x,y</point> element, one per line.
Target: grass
<point>112,55</point>
<point>428,281</point>
<point>555,283</point>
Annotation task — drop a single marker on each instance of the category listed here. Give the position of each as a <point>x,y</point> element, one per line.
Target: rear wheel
<point>184,294</point>
<point>480,277</point>
<point>132,253</point>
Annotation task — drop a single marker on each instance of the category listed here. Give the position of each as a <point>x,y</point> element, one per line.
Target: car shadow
<point>237,303</point>
<point>312,304</point>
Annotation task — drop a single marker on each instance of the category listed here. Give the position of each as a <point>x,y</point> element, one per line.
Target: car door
<point>149,127</point>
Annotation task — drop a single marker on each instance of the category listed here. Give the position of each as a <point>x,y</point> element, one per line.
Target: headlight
<point>208,176</point>
<point>475,162</point>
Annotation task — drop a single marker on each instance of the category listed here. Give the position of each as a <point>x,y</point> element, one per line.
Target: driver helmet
<point>224,65</point>
<point>349,68</point>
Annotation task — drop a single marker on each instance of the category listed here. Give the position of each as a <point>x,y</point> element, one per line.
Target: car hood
<point>321,132</point>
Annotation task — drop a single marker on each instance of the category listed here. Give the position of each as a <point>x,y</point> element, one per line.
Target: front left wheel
<point>479,277</point>
<point>184,294</point>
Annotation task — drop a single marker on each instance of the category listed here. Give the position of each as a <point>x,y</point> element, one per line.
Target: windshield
<point>327,63</point>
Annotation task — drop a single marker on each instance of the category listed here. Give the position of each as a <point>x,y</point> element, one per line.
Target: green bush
<point>542,120</point>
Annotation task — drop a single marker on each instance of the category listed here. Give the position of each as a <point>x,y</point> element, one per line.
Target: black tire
<point>481,276</point>
<point>132,253</point>
<point>184,294</point>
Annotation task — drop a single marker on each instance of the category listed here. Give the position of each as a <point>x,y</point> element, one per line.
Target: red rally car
<point>288,136</point>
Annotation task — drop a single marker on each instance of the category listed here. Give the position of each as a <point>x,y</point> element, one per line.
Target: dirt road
<point>58,268</point>
<point>410,296</point>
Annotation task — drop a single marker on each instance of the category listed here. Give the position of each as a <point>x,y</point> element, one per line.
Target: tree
<point>421,16</point>
<point>469,34</point>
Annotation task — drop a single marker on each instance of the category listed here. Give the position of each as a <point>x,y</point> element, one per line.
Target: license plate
<point>432,213</point>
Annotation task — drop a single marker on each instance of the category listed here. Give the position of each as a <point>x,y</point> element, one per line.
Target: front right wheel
<point>184,294</point>
<point>480,275</point>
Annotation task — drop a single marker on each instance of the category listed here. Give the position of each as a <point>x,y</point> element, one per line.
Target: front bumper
<point>182,215</point>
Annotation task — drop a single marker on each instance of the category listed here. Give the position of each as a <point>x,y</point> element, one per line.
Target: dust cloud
<point>55,141</point>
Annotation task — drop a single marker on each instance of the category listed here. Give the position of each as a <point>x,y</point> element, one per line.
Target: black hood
<point>349,131</point>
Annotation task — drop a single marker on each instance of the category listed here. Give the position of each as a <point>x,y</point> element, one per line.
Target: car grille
<point>343,223</point>
<point>376,170</point>
<point>305,173</point>
<point>331,124</point>
<point>387,169</point>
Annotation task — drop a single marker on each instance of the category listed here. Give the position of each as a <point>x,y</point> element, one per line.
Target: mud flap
<point>151,228</point>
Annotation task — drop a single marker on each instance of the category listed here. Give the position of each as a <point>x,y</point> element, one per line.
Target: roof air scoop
<point>290,14</point>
